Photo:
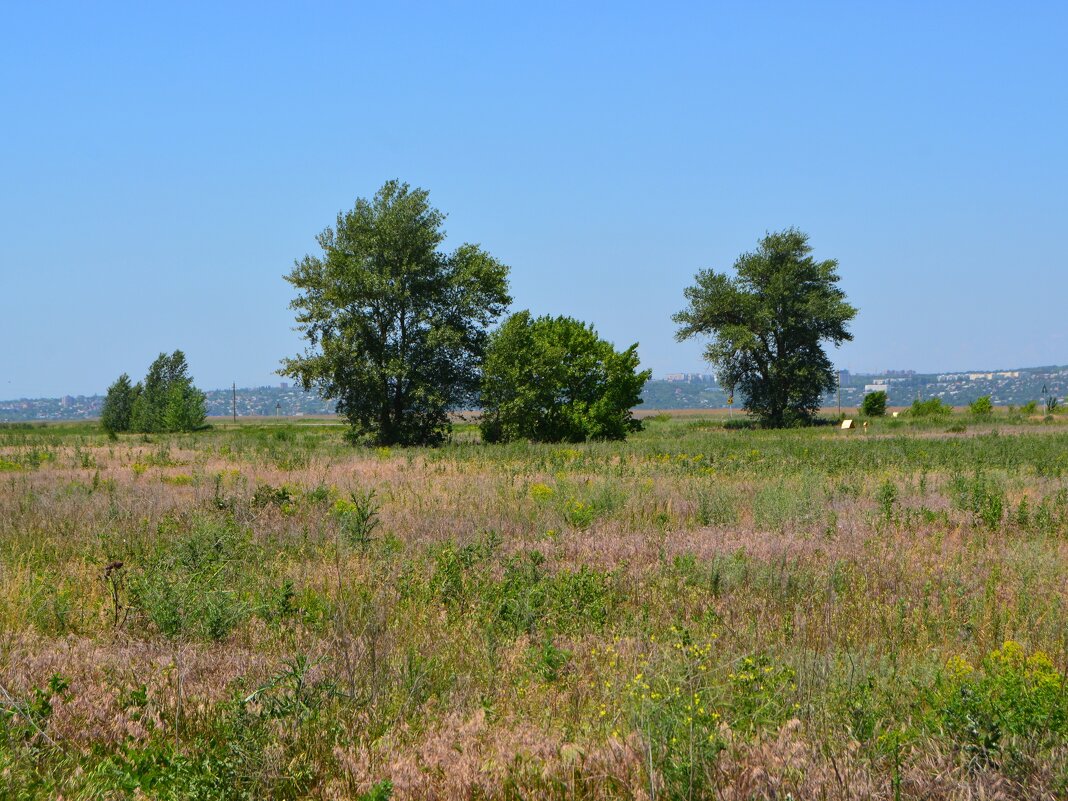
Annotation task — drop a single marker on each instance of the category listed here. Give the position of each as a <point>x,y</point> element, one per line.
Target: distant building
<point>688,377</point>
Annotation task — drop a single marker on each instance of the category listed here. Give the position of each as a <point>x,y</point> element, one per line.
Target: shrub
<point>887,497</point>
<point>981,406</point>
<point>547,661</point>
<point>716,507</point>
<point>874,404</point>
<point>267,495</point>
<point>684,712</point>
<point>166,400</point>
<point>528,598</point>
<point>981,496</point>
<point>191,586</point>
<point>780,505</point>
<point>541,492</point>
<point>932,407</point>
<point>118,405</point>
<point>357,518</point>
<point>580,514</point>
<point>1011,695</point>
<point>554,380</point>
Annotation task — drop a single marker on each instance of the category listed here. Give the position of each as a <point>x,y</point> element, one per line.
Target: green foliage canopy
<point>552,379</point>
<point>768,324</point>
<point>151,398</point>
<point>167,400</point>
<point>932,407</point>
<point>874,404</point>
<point>395,328</point>
<point>118,405</point>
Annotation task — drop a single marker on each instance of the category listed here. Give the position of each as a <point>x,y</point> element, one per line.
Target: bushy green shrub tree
<point>932,407</point>
<point>118,406</point>
<point>166,400</point>
<point>552,379</point>
<point>981,406</point>
<point>151,401</point>
<point>1011,701</point>
<point>185,407</point>
<point>874,404</point>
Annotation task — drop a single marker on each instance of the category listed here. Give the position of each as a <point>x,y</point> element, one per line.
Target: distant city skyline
<point>675,375</point>
<point>674,391</point>
<point>164,165</point>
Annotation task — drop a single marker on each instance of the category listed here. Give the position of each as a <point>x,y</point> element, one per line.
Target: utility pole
<point>235,401</point>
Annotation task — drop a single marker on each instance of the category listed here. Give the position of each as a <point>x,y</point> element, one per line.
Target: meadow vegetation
<point>261,611</point>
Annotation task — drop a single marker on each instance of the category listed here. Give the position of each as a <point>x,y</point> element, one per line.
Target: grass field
<point>260,611</point>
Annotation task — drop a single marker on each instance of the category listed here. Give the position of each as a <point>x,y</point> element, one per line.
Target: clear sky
<point>162,165</point>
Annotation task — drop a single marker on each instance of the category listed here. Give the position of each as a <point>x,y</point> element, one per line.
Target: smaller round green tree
<point>981,406</point>
<point>552,379</point>
<point>874,404</point>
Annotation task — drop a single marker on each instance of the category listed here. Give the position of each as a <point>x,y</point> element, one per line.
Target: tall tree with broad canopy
<point>768,323</point>
<point>552,379</point>
<point>396,328</point>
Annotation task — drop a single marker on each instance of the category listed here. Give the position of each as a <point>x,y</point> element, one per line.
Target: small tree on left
<point>118,405</point>
<point>165,401</point>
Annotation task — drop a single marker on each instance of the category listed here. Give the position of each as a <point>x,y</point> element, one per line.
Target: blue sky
<point>162,165</point>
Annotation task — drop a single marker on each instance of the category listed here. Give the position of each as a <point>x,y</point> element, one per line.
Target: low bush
<point>196,584</point>
<point>874,404</point>
<point>932,407</point>
<point>1011,699</point>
